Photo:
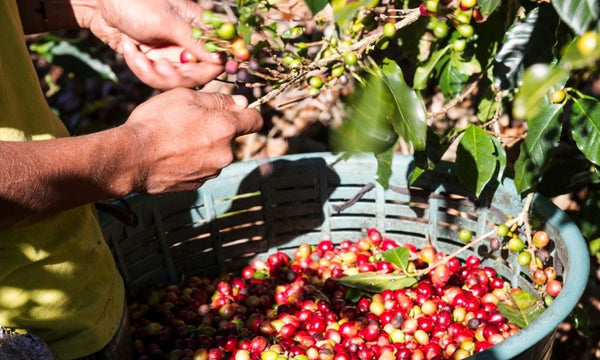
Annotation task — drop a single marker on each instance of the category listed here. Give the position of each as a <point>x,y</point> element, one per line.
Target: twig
<point>457,100</point>
<point>521,219</point>
<point>411,16</point>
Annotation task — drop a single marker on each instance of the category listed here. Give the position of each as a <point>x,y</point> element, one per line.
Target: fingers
<point>246,120</point>
<point>161,72</point>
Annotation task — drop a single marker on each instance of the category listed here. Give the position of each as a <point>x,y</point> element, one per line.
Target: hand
<point>151,34</point>
<point>185,137</point>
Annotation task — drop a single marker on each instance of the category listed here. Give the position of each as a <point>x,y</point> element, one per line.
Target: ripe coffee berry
<point>187,57</point>
<point>541,239</point>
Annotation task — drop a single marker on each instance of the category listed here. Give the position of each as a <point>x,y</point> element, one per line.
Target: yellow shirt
<point>58,278</point>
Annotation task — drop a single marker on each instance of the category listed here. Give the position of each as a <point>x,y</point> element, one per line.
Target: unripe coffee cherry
<point>350,58</point>
<point>226,31</point>
<point>389,30</point>
<point>502,230</point>
<point>587,43</point>
<point>465,235</point>
<point>557,96</point>
<point>467,4</point>
<point>197,32</point>
<point>459,45</point>
<point>465,30</point>
<point>315,82</point>
<point>440,30</point>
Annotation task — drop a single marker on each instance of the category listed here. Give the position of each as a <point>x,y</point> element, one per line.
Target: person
<point>58,279</point>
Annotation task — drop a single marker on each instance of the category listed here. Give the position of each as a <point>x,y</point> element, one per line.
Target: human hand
<point>184,137</point>
<point>151,35</point>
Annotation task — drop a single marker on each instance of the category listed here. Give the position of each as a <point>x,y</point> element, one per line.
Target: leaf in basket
<point>376,282</point>
<point>397,256</point>
<point>523,310</point>
<point>353,295</point>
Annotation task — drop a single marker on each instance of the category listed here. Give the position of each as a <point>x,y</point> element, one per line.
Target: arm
<point>173,142</point>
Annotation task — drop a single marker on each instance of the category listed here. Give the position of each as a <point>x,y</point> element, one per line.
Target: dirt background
<point>294,123</point>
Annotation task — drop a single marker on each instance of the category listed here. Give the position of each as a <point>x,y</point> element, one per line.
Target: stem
<point>360,46</point>
<point>521,219</point>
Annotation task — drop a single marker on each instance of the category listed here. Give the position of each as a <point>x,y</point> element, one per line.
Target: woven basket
<point>255,208</point>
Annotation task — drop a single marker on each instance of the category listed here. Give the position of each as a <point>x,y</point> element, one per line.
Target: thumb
<point>247,120</point>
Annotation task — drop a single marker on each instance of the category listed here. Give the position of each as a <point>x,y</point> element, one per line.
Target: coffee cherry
<point>467,4</point>
<point>587,43</point>
<point>315,82</point>
<point>440,30</point>
<point>197,32</point>
<point>389,30</point>
<point>350,58</point>
<point>254,65</point>
<point>431,6</point>
<point>338,71</point>
<point>465,30</point>
<point>313,92</point>
<point>231,66</point>
<point>211,47</point>
<point>524,258</point>
<point>459,45</point>
<point>239,49</point>
<point>541,239</point>
<point>226,31</point>
<point>187,57</point>
<point>241,75</point>
<point>515,244</point>
<point>423,10</point>
<point>553,288</point>
<point>465,235</point>
<point>502,230</point>
<point>557,96</point>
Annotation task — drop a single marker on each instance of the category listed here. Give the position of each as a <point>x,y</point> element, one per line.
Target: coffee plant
<point>524,64</point>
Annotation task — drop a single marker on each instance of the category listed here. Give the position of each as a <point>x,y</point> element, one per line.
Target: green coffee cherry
<point>524,258</point>
<point>389,30</point>
<point>515,244</point>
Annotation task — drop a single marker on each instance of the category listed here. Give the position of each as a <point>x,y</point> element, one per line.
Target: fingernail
<point>240,101</point>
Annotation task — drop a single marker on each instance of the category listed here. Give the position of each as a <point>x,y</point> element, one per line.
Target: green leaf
<point>366,127</point>
<point>344,11</point>
<point>451,81</point>
<point>411,120</point>
<point>580,320</point>
<point>580,15</point>
<point>500,158</point>
<point>527,42</point>
<point>376,282</point>
<point>316,5</point>
<point>523,309</point>
<point>423,72</point>
<point>538,82</point>
<point>572,59</point>
<point>475,159</point>
<point>384,166</point>
<point>75,58</point>
<point>353,295</point>
<point>487,6</point>
<point>488,105</point>
<point>397,256</point>
<point>465,66</point>
<point>589,217</point>
<point>538,148</point>
<point>585,127</point>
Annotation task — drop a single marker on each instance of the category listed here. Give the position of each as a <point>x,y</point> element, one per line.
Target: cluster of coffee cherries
<point>461,18</point>
<point>294,308</point>
<point>536,258</point>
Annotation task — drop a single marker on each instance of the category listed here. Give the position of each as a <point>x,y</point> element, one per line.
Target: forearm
<point>41,177</point>
<point>47,15</point>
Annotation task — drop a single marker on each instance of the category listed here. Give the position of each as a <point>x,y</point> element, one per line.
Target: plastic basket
<point>255,208</point>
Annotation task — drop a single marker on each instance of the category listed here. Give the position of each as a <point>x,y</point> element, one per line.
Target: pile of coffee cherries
<point>292,307</point>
